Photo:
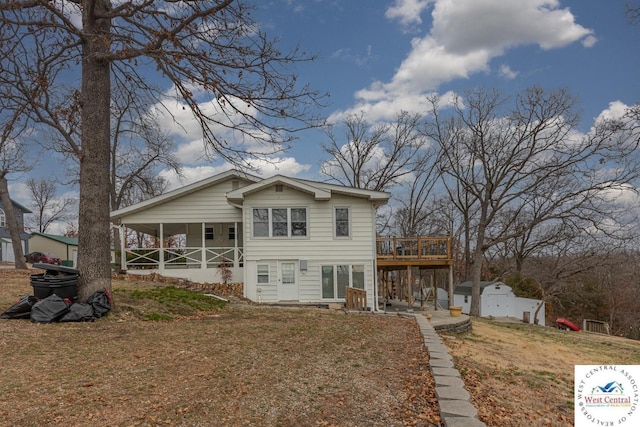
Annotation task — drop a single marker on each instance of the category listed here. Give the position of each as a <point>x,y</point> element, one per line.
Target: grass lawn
<point>161,358</point>
<point>522,375</point>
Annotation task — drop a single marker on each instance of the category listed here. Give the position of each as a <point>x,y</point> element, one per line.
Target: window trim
<point>3,218</point>
<point>258,274</point>
<point>334,268</point>
<point>289,223</point>
<point>335,222</point>
<point>209,233</point>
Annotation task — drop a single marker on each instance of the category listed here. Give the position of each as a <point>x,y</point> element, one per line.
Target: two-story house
<point>285,239</point>
<point>6,247</point>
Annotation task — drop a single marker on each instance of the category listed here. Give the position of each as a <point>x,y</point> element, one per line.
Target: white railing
<point>155,258</point>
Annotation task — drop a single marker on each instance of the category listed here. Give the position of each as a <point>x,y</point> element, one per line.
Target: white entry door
<point>287,283</point>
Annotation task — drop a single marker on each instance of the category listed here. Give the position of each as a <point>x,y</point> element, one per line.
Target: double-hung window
<point>280,222</point>
<point>263,274</point>
<point>341,217</point>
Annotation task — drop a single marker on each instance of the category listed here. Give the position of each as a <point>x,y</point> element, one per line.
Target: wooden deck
<point>394,253</point>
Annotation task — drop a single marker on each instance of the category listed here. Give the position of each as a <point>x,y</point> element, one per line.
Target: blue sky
<point>380,57</point>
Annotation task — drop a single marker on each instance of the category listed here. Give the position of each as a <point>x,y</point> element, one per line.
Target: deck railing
<point>413,248</point>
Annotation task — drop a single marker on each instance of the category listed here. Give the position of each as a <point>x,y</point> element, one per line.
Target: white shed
<point>499,300</point>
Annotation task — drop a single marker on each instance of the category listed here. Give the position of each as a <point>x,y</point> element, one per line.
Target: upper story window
<point>3,221</point>
<point>279,222</point>
<point>342,222</point>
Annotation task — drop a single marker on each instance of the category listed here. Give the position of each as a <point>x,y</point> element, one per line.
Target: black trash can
<point>57,279</point>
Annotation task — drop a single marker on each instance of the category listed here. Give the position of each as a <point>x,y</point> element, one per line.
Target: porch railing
<point>150,258</point>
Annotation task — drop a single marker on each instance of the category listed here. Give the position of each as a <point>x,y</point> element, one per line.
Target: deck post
<point>450,285</point>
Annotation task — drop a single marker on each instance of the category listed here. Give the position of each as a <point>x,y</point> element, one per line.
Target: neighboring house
<point>285,239</point>
<point>65,248</point>
<point>6,247</point>
<point>498,300</point>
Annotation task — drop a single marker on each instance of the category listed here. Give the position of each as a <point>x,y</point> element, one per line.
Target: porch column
<point>123,249</point>
<point>203,260</point>
<point>236,250</point>
<point>161,254</point>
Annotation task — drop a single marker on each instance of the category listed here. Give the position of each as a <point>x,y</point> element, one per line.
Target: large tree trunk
<point>12,224</point>
<point>474,310</point>
<point>94,243</point>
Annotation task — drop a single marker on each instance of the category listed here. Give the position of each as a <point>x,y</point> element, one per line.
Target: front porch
<point>199,252</point>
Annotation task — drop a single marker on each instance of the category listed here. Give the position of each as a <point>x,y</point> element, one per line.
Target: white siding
<point>206,205</point>
<point>320,247</point>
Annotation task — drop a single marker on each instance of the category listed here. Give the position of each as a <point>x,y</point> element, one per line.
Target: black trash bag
<point>21,309</point>
<point>101,302</point>
<point>79,313</point>
<point>49,309</point>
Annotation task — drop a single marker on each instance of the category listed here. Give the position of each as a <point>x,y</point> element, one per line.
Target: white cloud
<point>616,110</point>
<point>467,25</point>
<point>176,118</point>
<point>465,36</point>
<point>506,72</point>
<point>191,152</point>
<point>407,11</point>
<point>589,41</point>
<point>287,166</point>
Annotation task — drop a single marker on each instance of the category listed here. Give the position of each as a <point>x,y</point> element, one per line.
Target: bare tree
<point>529,166</point>
<point>210,51</point>
<point>13,160</point>
<point>374,157</point>
<point>633,13</point>
<point>49,208</point>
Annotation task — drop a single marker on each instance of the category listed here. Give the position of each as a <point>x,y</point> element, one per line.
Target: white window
<point>2,218</point>
<point>336,278</point>
<point>342,222</point>
<point>208,233</point>
<point>263,274</point>
<point>261,222</point>
<point>279,222</point>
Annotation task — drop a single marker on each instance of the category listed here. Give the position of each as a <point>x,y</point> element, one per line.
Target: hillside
<point>523,374</point>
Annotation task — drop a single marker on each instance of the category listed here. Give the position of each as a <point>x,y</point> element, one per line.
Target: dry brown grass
<point>242,365</point>
<point>522,375</point>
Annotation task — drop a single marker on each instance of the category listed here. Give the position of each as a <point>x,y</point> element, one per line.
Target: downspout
<point>375,262</point>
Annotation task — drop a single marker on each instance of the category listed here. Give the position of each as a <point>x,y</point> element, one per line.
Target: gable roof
<point>183,191</point>
<point>319,190</point>
<point>464,288</point>
<point>60,239</point>
<point>239,194</point>
<point>19,206</point>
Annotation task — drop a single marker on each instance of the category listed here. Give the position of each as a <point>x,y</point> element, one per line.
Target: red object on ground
<point>562,322</point>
